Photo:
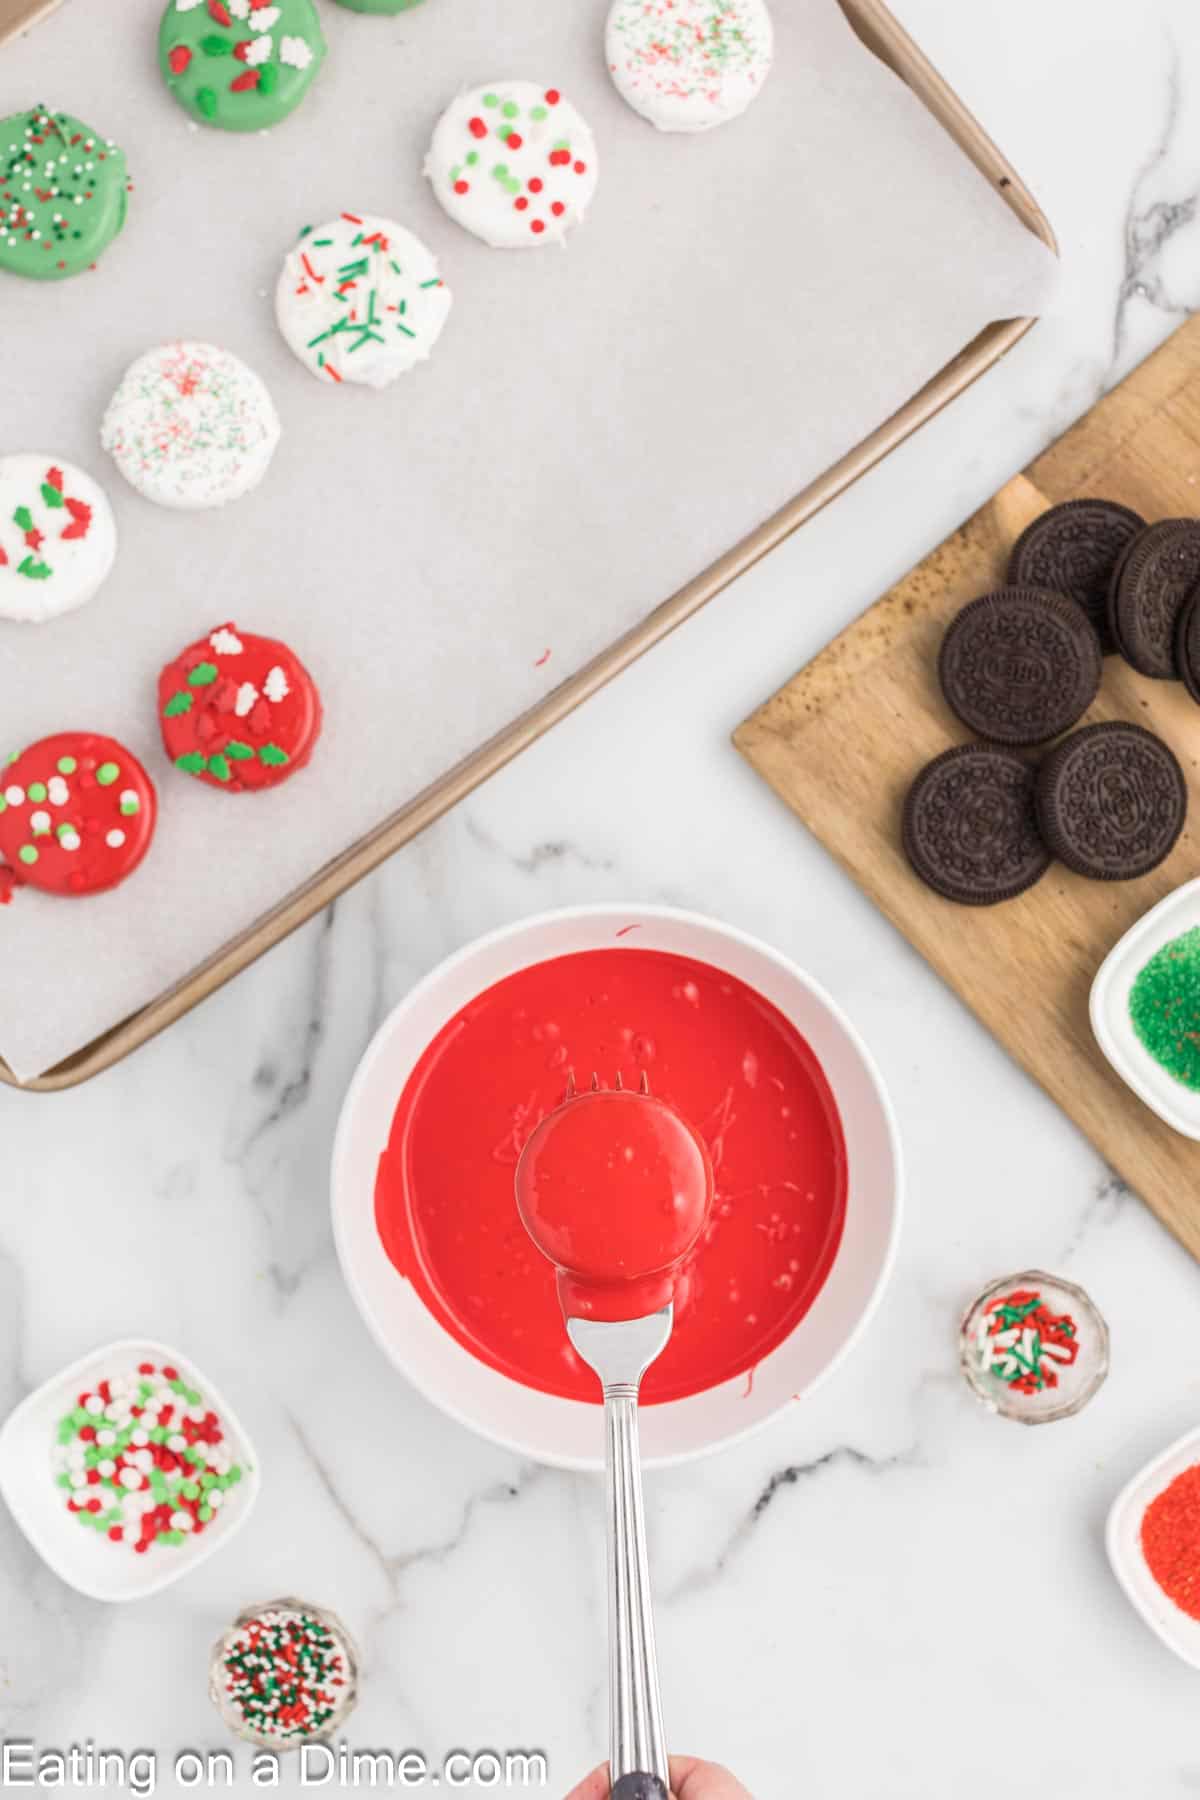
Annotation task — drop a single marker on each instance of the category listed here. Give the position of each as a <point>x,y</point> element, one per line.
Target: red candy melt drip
<point>721,1057</point>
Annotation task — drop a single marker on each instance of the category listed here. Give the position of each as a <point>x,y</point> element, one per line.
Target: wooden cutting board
<point>843,740</point>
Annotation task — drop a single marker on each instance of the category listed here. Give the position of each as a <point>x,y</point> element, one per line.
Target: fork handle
<point>637,1746</point>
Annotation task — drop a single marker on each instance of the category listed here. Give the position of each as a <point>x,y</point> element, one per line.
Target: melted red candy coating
<point>77,814</point>
<point>717,1053</point>
<point>614,1188</point>
<point>238,711</point>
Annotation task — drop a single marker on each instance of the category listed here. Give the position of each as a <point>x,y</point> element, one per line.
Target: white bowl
<point>1124,1540</point>
<point>82,1558</point>
<point>569,1432</point>
<point>1109,1009</point>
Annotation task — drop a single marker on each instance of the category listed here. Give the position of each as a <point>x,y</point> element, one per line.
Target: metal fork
<point>620,1353</point>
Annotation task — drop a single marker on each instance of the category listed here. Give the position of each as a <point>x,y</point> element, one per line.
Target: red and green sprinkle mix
<point>285,1675</point>
<point>143,1460</point>
<point>1021,1342</point>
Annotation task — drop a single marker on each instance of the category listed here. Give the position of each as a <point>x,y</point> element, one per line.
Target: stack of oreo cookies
<point>1020,667</point>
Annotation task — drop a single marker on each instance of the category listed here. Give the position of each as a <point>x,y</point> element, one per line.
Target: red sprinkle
<point>477,128</point>
<point>520,203</point>
<point>514,140</point>
<point>241,83</point>
<point>553,96</point>
<point>581,168</point>
<point>538,225</point>
<point>536,184</point>
<point>462,187</point>
<point>558,209</point>
<point>220,12</point>
<point>179,58</point>
<point>353,218</point>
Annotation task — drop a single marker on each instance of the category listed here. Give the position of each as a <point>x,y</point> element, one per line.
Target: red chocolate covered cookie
<point>77,813</point>
<point>238,711</point>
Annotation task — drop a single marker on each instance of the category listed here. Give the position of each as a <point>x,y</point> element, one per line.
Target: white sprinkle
<point>140,1438</point>
<point>106,1438</point>
<point>93,1404</point>
<point>247,694</point>
<point>259,49</point>
<point>58,791</point>
<point>186,5</point>
<point>295,51</point>
<point>143,1460</point>
<point>225,643</point>
<point>129,1478</point>
<point>114,838</point>
<point>216,1497</point>
<point>39,821</point>
<point>69,839</point>
<point>275,687</point>
<point>107,1468</point>
<point>14,796</point>
<point>264,18</point>
<point>78,1478</point>
<point>239,8</point>
<point>177,1442</point>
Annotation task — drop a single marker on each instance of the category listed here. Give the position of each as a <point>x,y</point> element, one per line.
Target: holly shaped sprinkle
<point>52,495</point>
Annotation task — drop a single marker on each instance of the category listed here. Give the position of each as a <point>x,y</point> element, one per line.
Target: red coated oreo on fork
<point>1020,665</point>
<point>1073,549</point>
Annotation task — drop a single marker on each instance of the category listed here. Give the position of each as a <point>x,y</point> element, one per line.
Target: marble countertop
<point>885,1592</point>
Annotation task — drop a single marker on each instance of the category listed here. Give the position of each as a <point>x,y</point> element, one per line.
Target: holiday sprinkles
<point>63,194</point>
<point>238,712</point>
<point>514,163</point>
<point>143,1460</point>
<point>1034,1347</point>
<point>191,426</point>
<point>58,537</point>
<point>687,65</point>
<point>359,299</point>
<point>285,1674</point>
<point>241,65</point>
<point>1023,1344</point>
<point>77,814</point>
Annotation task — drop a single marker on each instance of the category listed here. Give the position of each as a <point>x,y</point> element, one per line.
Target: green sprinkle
<point>23,518</point>
<point>178,703</point>
<point>66,765</point>
<point>27,853</point>
<point>206,101</point>
<point>32,569</point>
<point>36,790</point>
<point>539,113</point>
<point>192,762</point>
<point>491,99</point>
<point>203,675</point>
<point>238,751</point>
<point>273,756</point>
<point>212,45</point>
<point>130,804</point>
<point>51,495</point>
<point>510,109</point>
<point>472,159</point>
<point>268,78</point>
<point>218,765</point>
<point>3,804</point>
<point>107,773</point>
<point>500,171</point>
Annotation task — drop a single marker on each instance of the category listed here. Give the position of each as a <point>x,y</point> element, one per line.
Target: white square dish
<point>1123,1538</point>
<point>1109,1009</point>
<point>85,1559</point>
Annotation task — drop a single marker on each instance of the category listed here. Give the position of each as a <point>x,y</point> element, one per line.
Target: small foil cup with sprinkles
<point>285,1674</point>
<point>1033,1347</point>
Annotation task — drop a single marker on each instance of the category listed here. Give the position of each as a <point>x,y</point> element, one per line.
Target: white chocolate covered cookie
<point>360,299</point>
<point>58,537</point>
<point>687,65</point>
<point>513,162</point>
<point>191,426</point>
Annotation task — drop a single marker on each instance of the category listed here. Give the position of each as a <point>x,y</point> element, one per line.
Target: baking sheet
<point>596,426</point>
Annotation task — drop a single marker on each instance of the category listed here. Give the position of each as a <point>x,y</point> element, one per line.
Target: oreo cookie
<point>1111,801</point>
<point>970,825</point>
<point>1073,549</point>
<point>1150,588</point>
<point>1187,645</point>
<point>1020,665</point>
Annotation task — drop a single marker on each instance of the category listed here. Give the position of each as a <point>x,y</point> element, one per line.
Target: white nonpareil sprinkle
<point>295,52</point>
<point>39,821</point>
<point>114,838</point>
<point>275,687</point>
<point>216,1497</point>
<point>226,642</point>
<point>129,1478</point>
<point>247,694</point>
<point>239,8</point>
<point>58,791</point>
<point>14,796</point>
<point>70,840</point>
<point>93,1404</point>
<point>259,50</point>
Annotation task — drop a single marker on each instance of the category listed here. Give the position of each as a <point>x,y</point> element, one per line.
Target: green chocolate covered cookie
<point>240,64</point>
<point>62,194</point>
<point>379,6</point>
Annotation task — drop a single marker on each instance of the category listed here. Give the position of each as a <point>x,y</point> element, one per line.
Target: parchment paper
<point>596,425</point>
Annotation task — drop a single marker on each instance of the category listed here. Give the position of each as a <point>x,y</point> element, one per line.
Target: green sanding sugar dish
<point>1164,1008</point>
<point>63,194</point>
<point>241,65</point>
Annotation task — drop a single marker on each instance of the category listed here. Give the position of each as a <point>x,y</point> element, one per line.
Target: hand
<point>690,1780</point>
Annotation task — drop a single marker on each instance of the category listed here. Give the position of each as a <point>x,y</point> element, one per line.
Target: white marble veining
<point>888,1594</point>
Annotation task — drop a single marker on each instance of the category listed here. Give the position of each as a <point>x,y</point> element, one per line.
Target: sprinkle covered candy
<point>143,1461</point>
<point>360,299</point>
<point>63,194</point>
<point>285,1674</point>
<point>515,164</point>
<point>58,537</point>
<point>77,813</point>
<point>240,64</point>
<point>238,711</point>
<point>1023,1343</point>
